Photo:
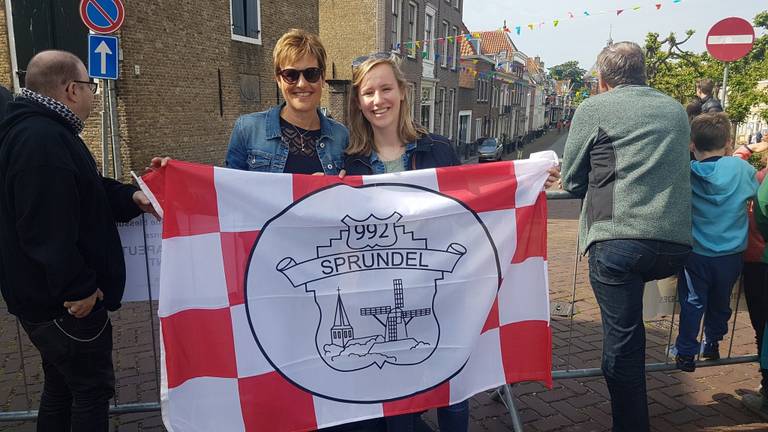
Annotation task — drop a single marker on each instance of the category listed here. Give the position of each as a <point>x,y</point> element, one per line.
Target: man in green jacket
<point>627,155</point>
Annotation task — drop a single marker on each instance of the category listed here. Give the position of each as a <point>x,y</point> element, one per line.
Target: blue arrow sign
<point>103,53</point>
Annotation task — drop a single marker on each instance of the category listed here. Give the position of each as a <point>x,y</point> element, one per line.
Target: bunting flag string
<point>424,47</point>
<point>586,14</point>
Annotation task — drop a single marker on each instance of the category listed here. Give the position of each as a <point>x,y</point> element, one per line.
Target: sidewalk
<point>707,400</point>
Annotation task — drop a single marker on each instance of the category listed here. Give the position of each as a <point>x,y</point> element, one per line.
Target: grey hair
<point>622,63</point>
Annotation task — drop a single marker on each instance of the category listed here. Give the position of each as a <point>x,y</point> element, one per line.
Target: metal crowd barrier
<point>504,392</point>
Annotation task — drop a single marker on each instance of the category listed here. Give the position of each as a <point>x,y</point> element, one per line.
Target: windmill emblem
<point>397,319</point>
<point>358,264</point>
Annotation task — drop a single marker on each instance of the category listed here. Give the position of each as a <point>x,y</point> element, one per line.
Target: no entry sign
<point>730,39</point>
<point>102,16</point>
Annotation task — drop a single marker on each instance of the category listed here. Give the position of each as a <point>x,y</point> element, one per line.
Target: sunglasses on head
<point>373,56</point>
<point>311,75</point>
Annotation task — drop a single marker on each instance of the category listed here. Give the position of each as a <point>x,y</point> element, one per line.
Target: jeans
<point>79,377</point>
<point>618,270</point>
<point>452,418</point>
<point>705,287</point>
<point>756,293</point>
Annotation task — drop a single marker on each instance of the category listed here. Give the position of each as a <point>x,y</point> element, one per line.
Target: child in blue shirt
<point>721,188</point>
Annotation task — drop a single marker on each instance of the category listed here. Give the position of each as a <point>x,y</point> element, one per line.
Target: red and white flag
<point>292,302</point>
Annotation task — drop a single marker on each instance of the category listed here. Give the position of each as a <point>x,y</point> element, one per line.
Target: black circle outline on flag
<point>288,208</point>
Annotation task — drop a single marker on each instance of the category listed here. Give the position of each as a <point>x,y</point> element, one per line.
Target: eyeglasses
<point>373,56</point>
<point>92,84</point>
<point>291,76</point>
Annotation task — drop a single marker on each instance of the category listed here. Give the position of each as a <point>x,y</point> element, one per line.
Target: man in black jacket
<point>704,89</point>
<point>5,98</point>
<point>61,262</point>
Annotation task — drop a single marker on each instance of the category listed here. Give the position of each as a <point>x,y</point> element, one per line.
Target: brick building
<point>495,87</point>
<point>421,32</point>
<point>186,73</point>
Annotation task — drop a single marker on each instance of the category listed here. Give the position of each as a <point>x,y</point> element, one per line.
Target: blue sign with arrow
<point>103,56</point>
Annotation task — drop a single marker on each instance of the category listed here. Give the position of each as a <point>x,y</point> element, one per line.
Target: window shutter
<point>252,20</point>
<point>238,17</point>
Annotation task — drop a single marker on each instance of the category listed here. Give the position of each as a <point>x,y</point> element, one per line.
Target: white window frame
<point>478,127</point>
<point>441,95</point>
<point>446,33</point>
<point>451,108</point>
<point>241,38</point>
<point>413,25</point>
<point>429,102</point>
<point>397,21</point>
<point>455,48</point>
<point>429,32</point>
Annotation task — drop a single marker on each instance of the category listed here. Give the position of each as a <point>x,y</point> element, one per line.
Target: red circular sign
<point>102,16</point>
<point>730,39</point>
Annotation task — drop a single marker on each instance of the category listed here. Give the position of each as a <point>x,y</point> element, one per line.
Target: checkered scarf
<point>55,106</point>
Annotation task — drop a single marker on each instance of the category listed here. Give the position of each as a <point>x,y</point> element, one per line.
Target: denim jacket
<point>256,143</point>
<point>429,151</point>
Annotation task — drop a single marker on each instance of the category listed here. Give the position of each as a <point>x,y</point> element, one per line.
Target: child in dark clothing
<point>721,188</point>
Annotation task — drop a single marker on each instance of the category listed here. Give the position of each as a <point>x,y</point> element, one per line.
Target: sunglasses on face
<point>311,75</point>
<point>374,56</point>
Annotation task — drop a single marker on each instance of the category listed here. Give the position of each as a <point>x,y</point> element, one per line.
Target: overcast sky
<point>581,38</point>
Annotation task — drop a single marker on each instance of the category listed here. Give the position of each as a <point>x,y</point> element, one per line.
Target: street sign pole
<point>104,134</point>
<point>725,85</point>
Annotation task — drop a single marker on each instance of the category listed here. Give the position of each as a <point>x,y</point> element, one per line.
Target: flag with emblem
<point>293,302</point>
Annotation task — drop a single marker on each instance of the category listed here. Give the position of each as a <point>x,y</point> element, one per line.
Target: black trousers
<point>756,293</point>
<point>79,377</point>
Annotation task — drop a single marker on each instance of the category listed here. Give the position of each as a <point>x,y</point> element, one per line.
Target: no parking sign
<point>102,16</point>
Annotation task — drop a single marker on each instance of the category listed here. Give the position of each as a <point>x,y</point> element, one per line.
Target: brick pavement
<point>707,400</point>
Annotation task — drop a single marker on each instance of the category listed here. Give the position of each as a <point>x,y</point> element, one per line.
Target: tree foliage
<point>569,70</point>
<point>674,70</point>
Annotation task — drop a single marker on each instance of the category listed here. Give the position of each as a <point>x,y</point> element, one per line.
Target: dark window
<point>245,18</point>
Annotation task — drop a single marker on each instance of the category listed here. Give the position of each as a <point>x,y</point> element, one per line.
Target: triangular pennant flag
<point>635,8</point>
<point>474,61</point>
<point>517,29</point>
<point>424,54</point>
<point>476,35</point>
<point>586,13</point>
<point>658,6</point>
<point>418,45</point>
<point>619,11</point>
<point>555,22</point>
<point>530,26</point>
<point>570,14</point>
<point>675,1</point>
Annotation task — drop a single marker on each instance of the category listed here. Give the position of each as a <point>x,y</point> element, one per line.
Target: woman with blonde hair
<point>292,137</point>
<point>384,139</point>
<point>383,135</point>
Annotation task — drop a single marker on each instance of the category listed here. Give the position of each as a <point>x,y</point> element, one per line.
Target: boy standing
<point>721,188</point>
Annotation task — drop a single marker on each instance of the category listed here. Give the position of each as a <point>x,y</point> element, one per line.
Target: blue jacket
<point>721,189</point>
<point>429,151</point>
<point>256,143</point>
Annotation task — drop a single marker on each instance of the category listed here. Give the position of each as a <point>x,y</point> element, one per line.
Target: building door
<point>465,120</point>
